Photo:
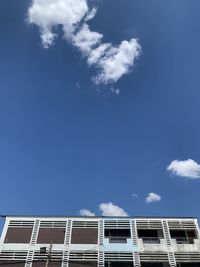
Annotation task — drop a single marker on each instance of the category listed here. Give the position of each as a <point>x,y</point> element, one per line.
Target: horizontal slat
<point>154,257</point>
<point>120,224</point>
<point>13,255</point>
<point>181,224</point>
<point>187,257</point>
<point>85,224</point>
<point>55,255</point>
<point>52,224</point>
<point>149,224</point>
<point>88,256</point>
<point>13,223</point>
<point>113,256</point>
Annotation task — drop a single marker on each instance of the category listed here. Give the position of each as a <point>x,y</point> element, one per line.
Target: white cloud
<point>185,168</point>
<point>117,61</point>
<point>109,209</point>
<point>47,14</point>
<point>86,212</point>
<point>152,197</point>
<point>86,39</point>
<point>111,62</point>
<point>135,195</point>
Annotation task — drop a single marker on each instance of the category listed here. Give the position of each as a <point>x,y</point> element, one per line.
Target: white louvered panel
<point>13,255</point>
<point>52,224</point>
<point>29,259</point>
<point>114,256</point>
<point>68,233</point>
<point>101,232</point>
<point>119,224</point>
<point>85,224</point>
<point>35,232</point>
<point>65,262</point>
<point>153,257</point>
<point>55,255</point>
<point>101,259</point>
<point>13,224</point>
<point>83,256</point>
<point>149,224</point>
<point>182,224</point>
<point>187,257</point>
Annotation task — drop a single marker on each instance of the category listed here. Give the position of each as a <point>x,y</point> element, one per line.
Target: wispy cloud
<point>152,197</point>
<point>135,195</point>
<point>86,212</point>
<point>185,168</point>
<point>109,209</point>
<point>110,61</point>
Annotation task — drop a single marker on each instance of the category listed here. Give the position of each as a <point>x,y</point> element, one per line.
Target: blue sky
<point>69,143</point>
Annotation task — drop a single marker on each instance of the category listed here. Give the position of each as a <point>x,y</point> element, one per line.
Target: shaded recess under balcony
<point>150,236</point>
<point>183,236</point>
<point>117,235</point>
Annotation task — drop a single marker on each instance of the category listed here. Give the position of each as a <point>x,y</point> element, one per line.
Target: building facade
<point>100,242</point>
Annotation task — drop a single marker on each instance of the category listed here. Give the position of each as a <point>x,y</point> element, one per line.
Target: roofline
<point>100,217</point>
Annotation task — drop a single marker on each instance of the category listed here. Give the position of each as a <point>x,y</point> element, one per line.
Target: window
<point>12,263</point>
<point>84,236</point>
<point>51,235</point>
<point>117,235</point>
<point>183,236</point>
<point>18,235</point>
<point>150,236</point>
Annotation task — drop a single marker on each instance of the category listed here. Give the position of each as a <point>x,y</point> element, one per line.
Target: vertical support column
<point>136,256</point>
<point>100,239</point>
<point>35,232</point>
<point>68,232</point>
<point>29,259</point>
<point>171,256</point>
<point>3,234</point>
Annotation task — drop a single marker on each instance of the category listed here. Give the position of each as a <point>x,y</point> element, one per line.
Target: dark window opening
<point>150,236</point>
<point>4,263</point>
<point>183,236</point>
<point>18,235</point>
<point>117,235</point>
<point>51,236</point>
<point>119,264</point>
<point>84,236</point>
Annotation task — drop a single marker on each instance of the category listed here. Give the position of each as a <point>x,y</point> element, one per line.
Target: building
<point>99,242</point>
